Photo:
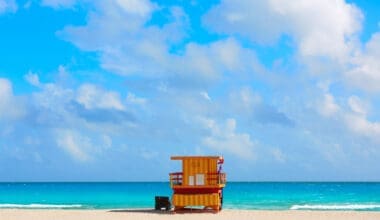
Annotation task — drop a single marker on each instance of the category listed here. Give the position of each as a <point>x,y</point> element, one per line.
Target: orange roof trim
<point>195,157</point>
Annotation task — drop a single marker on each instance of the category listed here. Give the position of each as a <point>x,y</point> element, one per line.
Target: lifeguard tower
<point>200,183</point>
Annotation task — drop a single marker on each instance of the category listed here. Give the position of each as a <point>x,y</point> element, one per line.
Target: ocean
<point>237,195</point>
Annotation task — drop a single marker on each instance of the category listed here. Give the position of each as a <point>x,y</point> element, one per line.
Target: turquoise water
<point>237,195</point>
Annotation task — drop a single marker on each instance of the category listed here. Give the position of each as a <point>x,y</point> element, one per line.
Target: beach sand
<point>25,214</point>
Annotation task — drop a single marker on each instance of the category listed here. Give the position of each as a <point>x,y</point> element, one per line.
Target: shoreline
<point>118,214</point>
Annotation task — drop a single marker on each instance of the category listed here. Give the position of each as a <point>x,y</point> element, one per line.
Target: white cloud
<point>354,116</point>
<point>53,117</point>
<point>319,27</point>
<point>8,6</point>
<point>322,27</point>
<point>53,98</point>
<point>11,106</point>
<point>94,97</point>
<point>244,101</point>
<point>123,38</point>
<point>121,34</point>
<point>57,4</point>
<point>5,89</point>
<point>133,99</point>
<point>364,70</point>
<point>33,79</point>
<point>85,107</point>
<point>127,47</point>
<point>360,125</point>
<point>74,144</point>
<point>81,147</point>
<point>328,107</point>
<point>141,8</point>
<point>213,60</point>
<point>205,96</point>
<point>324,85</point>
<point>6,96</point>
<point>225,139</point>
<point>236,17</point>
<point>357,105</point>
<point>252,108</point>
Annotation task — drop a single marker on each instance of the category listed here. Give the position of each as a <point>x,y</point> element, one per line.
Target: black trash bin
<point>162,202</point>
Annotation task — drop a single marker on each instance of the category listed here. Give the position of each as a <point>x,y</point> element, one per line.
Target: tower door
<point>200,179</point>
<point>191,180</point>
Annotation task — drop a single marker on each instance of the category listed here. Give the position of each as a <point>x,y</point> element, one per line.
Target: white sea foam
<point>337,207</point>
<point>39,206</point>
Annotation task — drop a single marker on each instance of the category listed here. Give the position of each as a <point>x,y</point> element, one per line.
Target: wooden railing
<point>217,178</point>
<point>176,179</point>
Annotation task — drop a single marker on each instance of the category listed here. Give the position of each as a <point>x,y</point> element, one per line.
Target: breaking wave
<point>336,207</point>
<point>39,206</point>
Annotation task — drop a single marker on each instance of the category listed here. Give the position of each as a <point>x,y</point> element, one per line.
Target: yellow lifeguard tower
<point>200,183</point>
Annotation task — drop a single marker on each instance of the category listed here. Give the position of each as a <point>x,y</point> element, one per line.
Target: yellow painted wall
<point>196,200</point>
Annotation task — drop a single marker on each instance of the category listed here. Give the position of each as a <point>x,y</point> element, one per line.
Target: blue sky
<point>108,91</point>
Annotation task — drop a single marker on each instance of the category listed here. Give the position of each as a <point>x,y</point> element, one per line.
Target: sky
<point>95,90</point>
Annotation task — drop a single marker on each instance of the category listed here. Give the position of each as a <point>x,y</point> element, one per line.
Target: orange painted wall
<point>193,166</point>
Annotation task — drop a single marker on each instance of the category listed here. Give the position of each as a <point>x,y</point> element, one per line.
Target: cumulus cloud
<point>251,105</point>
<point>33,79</point>
<point>319,28</point>
<point>172,78</point>
<point>354,116</point>
<point>224,138</point>
<point>325,34</point>
<point>141,8</point>
<point>138,53</point>
<point>357,105</point>
<point>49,103</point>
<point>212,61</point>
<point>327,107</point>
<point>5,89</point>
<point>360,125</point>
<point>81,147</point>
<point>11,107</point>
<point>205,95</point>
<point>364,71</point>
<point>133,99</point>
<point>51,117</point>
<point>245,99</point>
<point>236,17</point>
<point>357,120</point>
<point>8,6</point>
<point>78,120</point>
<point>322,28</point>
<point>91,96</point>
<point>74,144</point>
<point>101,115</point>
<point>89,102</point>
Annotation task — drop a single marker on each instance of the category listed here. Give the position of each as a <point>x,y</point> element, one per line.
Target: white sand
<point>25,214</point>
